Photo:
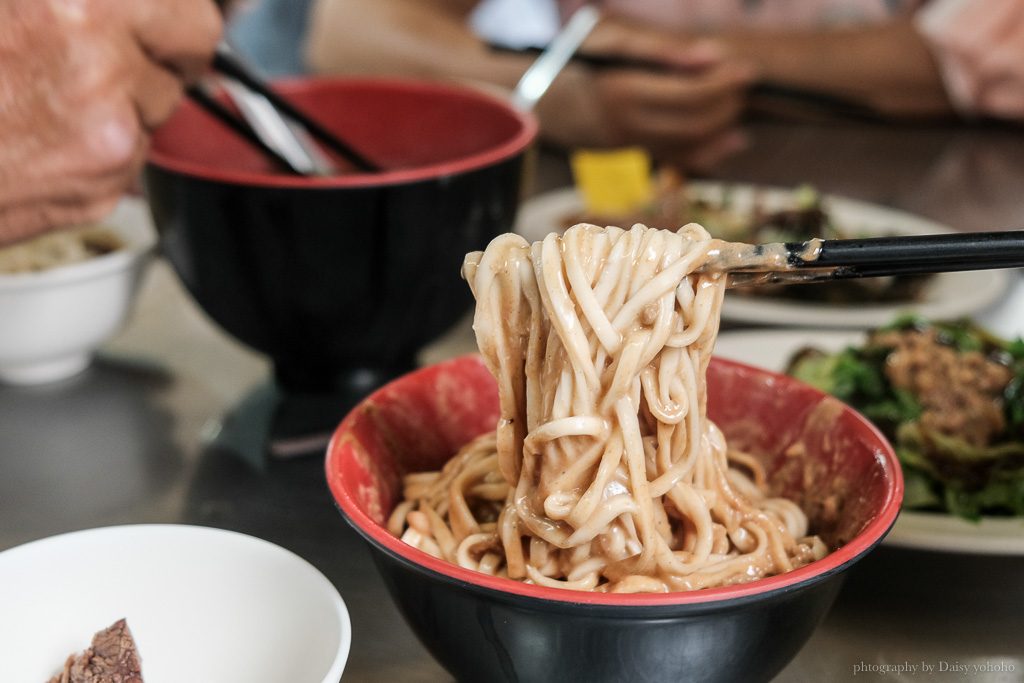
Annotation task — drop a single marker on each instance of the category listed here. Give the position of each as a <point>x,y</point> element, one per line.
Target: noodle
<point>58,249</point>
<point>603,473</point>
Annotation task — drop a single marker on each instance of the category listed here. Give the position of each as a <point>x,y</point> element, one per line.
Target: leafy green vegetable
<point>918,491</point>
<point>941,472</point>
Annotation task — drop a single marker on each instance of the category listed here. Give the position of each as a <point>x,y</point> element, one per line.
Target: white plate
<point>771,349</point>
<point>204,605</point>
<point>948,295</point>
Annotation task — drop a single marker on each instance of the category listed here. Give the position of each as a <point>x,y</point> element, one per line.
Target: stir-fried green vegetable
<point>962,464</point>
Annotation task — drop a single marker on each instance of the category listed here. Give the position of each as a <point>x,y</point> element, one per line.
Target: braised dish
<point>949,396</point>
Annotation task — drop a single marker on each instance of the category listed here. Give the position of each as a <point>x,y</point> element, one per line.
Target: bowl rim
<point>832,564</point>
<point>128,221</point>
<point>527,134</point>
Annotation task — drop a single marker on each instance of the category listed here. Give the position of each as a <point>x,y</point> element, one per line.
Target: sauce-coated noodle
<point>603,473</point>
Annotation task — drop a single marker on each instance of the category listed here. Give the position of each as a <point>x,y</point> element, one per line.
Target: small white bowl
<point>202,604</point>
<point>52,320</point>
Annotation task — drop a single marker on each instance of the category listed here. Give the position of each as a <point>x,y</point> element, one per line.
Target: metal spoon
<point>542,72</point>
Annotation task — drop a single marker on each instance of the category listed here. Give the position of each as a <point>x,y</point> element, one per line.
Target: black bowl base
<point>280,422</point>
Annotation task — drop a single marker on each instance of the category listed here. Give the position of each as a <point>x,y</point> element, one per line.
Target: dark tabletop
<point>168,425</point>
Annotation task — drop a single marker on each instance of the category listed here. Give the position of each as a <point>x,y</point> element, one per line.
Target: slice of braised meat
<point>112,658</point>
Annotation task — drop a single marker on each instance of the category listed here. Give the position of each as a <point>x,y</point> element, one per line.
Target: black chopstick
<point>225,64</point>
<point>763,89</point>
<point>884,256</point>
<point>213,106</point>
<point>941,251</point>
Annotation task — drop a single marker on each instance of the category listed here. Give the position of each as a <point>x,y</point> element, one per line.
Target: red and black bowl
<point>482,628</point>
<point>341,280</point>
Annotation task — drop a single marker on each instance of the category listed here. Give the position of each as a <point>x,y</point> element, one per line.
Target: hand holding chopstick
<point>761,91</point>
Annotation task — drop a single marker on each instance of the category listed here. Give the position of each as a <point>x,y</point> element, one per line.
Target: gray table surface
<point>167,426</point>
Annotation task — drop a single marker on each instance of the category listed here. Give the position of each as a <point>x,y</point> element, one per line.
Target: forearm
<point>420,38</point>
<point>432,39</point>
<point>671,112</point>
<point>888,66</point>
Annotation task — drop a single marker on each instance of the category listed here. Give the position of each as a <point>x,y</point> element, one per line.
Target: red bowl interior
<point>816,450</point>
<point>412,129</point>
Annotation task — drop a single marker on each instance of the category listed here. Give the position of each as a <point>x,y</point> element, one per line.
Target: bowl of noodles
<point>595,496</point>
<point>63,294</point>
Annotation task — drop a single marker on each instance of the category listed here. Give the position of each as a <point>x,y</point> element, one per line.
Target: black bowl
<point>485,628</point>
<point>341,280</point>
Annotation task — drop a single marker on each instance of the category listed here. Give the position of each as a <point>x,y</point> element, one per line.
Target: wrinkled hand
<point>82,84</point>
<point>684,112</point>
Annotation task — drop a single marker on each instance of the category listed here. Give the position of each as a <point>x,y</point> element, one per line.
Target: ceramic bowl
<point>341,280</point>
<point>202,604</point>
<point>52,320</point>
<point>486,628</point>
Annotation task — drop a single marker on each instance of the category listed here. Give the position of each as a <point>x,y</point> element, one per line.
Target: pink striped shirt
<point>978,44</point>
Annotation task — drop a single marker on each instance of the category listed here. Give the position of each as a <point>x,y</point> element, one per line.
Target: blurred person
<point>82,84</point>
<point>432,39</point>
<point>903,58</point>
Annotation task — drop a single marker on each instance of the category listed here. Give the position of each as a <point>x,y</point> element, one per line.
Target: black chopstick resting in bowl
<point>818,260</point>
<point>208,101</point>
<point>225,64</point>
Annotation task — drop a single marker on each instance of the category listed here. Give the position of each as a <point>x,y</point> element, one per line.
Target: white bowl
<point>51,321</point>
<point>204,605</point>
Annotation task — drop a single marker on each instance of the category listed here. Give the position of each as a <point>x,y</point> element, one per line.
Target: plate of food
<point>949,397</point>
<point>748,213</point>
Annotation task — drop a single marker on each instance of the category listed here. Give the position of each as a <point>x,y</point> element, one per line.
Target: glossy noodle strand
<point>604,472</point>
